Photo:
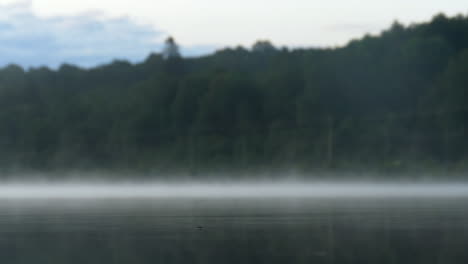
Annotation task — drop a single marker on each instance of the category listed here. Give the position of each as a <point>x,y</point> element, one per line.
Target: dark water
<point>284,230</point>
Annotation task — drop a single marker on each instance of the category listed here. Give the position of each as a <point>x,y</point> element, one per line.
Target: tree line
<point>392,101</point>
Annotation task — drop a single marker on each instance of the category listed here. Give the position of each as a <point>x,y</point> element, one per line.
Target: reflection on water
<point>281,230</point>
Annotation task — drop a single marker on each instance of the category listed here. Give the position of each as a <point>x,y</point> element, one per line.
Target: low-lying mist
<point>215,190</point>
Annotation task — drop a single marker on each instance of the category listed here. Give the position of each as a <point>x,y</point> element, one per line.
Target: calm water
<point>234,230</point>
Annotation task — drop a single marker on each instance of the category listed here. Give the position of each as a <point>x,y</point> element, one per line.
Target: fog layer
<point>226,190</point>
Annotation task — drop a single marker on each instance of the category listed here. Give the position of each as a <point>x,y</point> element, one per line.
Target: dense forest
<point>392,101</point>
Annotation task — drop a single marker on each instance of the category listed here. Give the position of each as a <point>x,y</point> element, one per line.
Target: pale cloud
<point>91,31</point>
<point>86,39</point>
<point>232,22</point>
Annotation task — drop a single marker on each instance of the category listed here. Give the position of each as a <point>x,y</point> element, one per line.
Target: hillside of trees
<point>393,101</point>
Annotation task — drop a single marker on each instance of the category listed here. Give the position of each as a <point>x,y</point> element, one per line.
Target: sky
<point>93,32</point>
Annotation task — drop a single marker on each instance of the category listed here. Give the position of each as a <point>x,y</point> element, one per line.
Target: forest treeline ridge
<point>389,101</point>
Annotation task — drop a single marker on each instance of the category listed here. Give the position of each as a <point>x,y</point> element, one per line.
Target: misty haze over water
<point>213,190</point>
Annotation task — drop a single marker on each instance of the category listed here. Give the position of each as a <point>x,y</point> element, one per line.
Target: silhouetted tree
<point>171,49</point>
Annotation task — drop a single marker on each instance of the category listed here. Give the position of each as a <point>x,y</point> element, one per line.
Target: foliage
<point>377,101</point>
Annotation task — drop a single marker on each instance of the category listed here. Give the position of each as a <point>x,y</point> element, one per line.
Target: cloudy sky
<point>91,32</point>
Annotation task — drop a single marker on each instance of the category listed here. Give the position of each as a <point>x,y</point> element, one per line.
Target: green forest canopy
<point>377,102</point>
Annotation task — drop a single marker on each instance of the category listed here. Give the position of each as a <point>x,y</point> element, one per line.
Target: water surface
<point>242,229</point>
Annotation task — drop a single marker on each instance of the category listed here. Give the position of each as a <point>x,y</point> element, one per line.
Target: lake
<point>230,229</point>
